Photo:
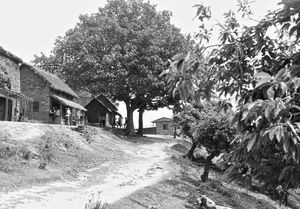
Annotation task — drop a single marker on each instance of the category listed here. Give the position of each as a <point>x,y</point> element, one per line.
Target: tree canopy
<point>118,51</point>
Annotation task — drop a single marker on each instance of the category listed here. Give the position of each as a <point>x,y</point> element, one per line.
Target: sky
<point>29,27</point>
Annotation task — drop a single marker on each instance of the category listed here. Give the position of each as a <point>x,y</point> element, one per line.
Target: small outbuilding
<point>100,110</point>
<point>164,126</point>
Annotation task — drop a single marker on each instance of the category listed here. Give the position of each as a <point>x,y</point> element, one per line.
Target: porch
<point>15,106</point>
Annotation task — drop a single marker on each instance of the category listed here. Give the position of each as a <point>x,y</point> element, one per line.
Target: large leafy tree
<point>119,51</point>
<point>259,65</point>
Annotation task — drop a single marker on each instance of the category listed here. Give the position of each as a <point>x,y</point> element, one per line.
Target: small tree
<point>208,126</point>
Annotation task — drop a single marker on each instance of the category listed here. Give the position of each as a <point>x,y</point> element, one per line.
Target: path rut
<point>110,182</point>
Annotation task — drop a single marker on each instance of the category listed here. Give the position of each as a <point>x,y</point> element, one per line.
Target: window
<point>165,126</point>
<point>36,106</point>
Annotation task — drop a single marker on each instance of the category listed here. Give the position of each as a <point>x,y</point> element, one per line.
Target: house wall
<point>35,87</point>
<point>13,73</point>
<point>160,128</point>
<point>150,130</point>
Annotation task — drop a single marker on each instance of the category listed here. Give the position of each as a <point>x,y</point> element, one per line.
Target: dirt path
<point>109,182</point>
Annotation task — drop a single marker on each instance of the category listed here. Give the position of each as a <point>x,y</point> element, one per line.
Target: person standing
<point>125,124</point>
<point>119,124</point>
<point>68,115</point>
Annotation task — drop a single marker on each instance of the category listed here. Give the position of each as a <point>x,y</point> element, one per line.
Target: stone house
<point>100,110</point>
<point>14,105</point>
<point>164,126</point>
<point>48,92</point>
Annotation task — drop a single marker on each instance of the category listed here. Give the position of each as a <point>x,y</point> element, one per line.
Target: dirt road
<point>110,182</point>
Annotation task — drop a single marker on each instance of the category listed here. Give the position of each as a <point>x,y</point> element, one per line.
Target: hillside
<point>37,153</point>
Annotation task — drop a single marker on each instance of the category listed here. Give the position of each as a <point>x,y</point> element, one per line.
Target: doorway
<point>2,109</point>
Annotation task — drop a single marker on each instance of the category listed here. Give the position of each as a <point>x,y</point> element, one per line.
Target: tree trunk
<point>190,154</point>
<point>208,163</point>
<point>175,131</point>
<point>141,127</point>
<point>129,126</point>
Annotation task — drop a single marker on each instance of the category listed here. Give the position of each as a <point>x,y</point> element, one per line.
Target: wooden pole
<point>25,107</point>
<point>31,110</point>
<point>6,108</point>
<point>107,120</point>
<point>17,110</point>
<point>61,109</point>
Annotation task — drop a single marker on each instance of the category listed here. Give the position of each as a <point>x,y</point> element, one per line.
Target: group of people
<point>119,123</point>
<point>55,113</point>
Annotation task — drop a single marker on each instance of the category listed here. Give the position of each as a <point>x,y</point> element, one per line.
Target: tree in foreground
<point>260,66</point>
<point>207,126</point>
<point>118,51</point>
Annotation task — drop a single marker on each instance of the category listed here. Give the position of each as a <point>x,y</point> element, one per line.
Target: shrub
<point>208,126</point>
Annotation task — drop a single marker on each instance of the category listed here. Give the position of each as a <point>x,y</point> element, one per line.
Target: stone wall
<point>13,73</point>
<point>32,85</point>
<point>161,131</point>
<point>149,130</point>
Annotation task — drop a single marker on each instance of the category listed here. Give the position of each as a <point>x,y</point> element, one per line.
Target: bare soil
<point>183,188</point>
<point>25,148</point>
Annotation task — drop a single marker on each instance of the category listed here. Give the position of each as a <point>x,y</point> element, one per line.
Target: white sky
<point>28,27</point>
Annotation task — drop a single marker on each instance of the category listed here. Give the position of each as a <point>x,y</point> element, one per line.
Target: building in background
<point>99,109</point>
<point>164,126</point>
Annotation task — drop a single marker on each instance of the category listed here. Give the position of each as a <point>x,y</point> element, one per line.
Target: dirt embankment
<point>39,153</point>
<point>83,165</point>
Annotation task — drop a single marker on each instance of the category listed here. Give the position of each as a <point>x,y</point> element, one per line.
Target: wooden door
<point>9,112</point>
<point>2,108</point>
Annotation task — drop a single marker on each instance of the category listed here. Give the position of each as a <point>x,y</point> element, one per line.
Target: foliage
<point>208,126</point>
<point>269,100</point>
<point>259,65</point>
<point>191,76</point>
<point>96,205</point>
<point>118,51</point>
<point>4,80</point>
